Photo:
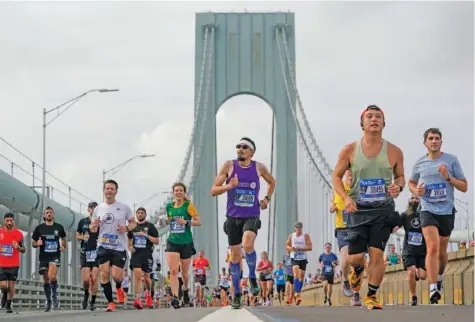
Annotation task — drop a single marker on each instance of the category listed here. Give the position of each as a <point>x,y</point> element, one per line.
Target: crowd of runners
<point>368,176</point>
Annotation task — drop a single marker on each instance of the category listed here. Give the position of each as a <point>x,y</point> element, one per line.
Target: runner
<point>245,290</point>
<point>224,281</point>
<point>289,277</point>
<point>51,238</point>
<point>434,177</point>
<point>279,276</point>
<point>141,241</point>
<point>392,258</point>
<point>298,244</point>
<point>243,209</point>
<point>182,214</point>
<point>125,285</point>
<point>113,219</point>
<point>341,219</point>
<point>414,250</point>
<point>374,164</point>
<point>11,245</point>
<point>265,269</point>
<point>200,266</point>
<point>89,265</point>
<point>328,262</point>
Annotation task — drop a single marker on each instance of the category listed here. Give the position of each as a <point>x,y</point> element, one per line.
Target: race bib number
<point>280,277</point>
<point>6,250</point>
<point>140,242</point>
<point>436,192</point>
<point>414,239</point>
<point>177,228</point>
<point>328,269</point>
<point>91,256</point>
<point>299,256</point>
<point>224,283</point>
<point>372,190</point>
<point>244,198</point>
<point>111,240</point>
<point>199,271</point>
<point>268,276</point>
<point>51,246</point>
<point>344,214</point>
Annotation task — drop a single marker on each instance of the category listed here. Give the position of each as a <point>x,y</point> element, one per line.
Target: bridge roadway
<point>433,313</point>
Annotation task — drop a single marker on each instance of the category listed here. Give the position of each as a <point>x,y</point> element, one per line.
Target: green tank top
<point>371,176</point>
<point>392,259</point>
<point>179,234</point>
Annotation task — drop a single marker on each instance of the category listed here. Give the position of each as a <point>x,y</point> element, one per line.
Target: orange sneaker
<point>110,307</point>
<point>148,300</point>
<point>120,296</point>
<point>138,304</point>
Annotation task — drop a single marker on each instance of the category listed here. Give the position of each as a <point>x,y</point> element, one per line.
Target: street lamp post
<point>104,172</point>
<point>45,124</point>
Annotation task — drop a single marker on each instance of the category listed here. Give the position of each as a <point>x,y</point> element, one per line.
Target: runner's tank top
<point>392,258</point>
<point>371,177</point>
<point>243,200</point>
<point>298,242</point>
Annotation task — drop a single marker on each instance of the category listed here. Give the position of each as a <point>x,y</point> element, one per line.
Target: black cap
<point>9,215</point>
<point>92,204</point>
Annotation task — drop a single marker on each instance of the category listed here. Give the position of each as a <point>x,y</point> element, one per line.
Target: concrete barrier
<point>394,290</point>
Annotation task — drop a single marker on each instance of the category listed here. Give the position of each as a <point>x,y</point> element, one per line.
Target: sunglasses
<point>242,146</point>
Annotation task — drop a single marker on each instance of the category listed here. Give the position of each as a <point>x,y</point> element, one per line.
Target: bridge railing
<point>394,290</point>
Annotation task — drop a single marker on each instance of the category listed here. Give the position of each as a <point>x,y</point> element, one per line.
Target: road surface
<point>434,313</point>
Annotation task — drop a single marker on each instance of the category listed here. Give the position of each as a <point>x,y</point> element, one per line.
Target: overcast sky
<point>415,60</point>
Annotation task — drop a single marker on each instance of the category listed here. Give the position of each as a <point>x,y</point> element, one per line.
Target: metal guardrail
<point>30,296</point>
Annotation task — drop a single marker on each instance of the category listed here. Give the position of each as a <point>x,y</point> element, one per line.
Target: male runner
<point>328,262</point>
<point>279,276</point>
<point>11,245</point>
<point>298,244</point>
<point>141,241</point>
<point>51,238</point>
<point>243,209</point>
<point>434,177</point>
<point>289,277</point>
<point>341,219</point>
<point>200,265</point>
<point>89,265</point>
<point>374,164</point>
<point>113,219</point>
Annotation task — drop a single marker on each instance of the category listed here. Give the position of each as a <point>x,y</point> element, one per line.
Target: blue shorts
<point>341,236</point>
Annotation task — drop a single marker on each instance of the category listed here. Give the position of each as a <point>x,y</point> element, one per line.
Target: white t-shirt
<point>111,217</point>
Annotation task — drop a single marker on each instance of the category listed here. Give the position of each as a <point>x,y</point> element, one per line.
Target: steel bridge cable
<point>36,164</point>
<point>271,237</point>
<point>294,113</point>
<point>301,110</point>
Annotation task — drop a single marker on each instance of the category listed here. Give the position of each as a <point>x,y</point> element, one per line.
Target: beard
<point>241,158</point>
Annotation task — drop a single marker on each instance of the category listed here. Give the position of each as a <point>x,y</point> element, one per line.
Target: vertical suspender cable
<point>271,237</point>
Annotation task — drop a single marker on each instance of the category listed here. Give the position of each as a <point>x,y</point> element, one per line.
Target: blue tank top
<point>243,200</point>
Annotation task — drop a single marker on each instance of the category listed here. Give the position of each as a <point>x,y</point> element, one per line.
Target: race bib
<point>199,271</point>
<point>268,276</point>
<point>224,282</point>
<point>436,192</point>
<point>414,238</point>
<point>372,190</point>
<point>176,228</point>
<point>299,256</point>
<point>91,256</point>
<point>51,246</point>
<point>280,277</point>
<point>328,269</point>
<point>344,214</point>
<point>244,197</point>
<point>111,240</point>
<point>6,250</point>
<point>140,242</point>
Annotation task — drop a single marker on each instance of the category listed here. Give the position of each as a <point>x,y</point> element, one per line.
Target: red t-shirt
<point>200,265</point>
<point>9,255</point>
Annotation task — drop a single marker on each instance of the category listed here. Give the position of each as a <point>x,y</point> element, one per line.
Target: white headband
<point>248,143</point>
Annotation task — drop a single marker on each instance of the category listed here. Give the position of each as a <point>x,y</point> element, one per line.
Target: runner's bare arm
<point>218,187</point>
<point>308,244</point>
<point>267,176</point>
<point>399,168</point>
<point>132,224</point>
<point>288,245</point>
<point>342,165</point>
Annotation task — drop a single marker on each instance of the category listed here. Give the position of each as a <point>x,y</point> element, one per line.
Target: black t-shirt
<point>413,239</point>
<point>141,243</point>
<point>83,228</point>
<point>50,235</point>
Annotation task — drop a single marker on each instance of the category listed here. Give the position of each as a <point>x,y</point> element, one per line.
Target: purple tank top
<point>243,200</point>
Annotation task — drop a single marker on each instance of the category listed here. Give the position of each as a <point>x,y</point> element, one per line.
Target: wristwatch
<point>400,188</point>
<point>267,197</point>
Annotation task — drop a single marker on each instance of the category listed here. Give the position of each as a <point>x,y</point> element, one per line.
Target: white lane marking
<point>229,315</point>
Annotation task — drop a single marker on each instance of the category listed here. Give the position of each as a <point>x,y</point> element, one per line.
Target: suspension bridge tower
<point>238,53</point>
